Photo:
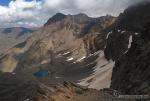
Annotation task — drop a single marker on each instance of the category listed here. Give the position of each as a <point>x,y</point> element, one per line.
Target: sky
<point>34,13</point>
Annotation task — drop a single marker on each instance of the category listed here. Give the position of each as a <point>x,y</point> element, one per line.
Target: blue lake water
<point>41,73</point>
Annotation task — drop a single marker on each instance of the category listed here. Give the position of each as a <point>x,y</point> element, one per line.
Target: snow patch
<point>58,77</point>
<point>129,45</point>
<point>90,64</point>
<point>66,53</point>
<point>69,59</point>
<point>81,59</point>
<point>119,30</point>
<point>59,54</point>
<point>45,61</point>
<point>74,62</point>
<point>126,51</point>
<point>13,73</point>
<point>105,46</point>
<point>130,41</point>
<point>27,100</point>
<point>108,34</point>
<point>123,32</point>
<point>136,33</point>
<point>96,53</point>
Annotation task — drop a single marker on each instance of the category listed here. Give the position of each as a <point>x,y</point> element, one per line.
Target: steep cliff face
<point>127,45</point>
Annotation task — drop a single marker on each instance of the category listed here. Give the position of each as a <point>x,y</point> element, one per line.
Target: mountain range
<point>96,57</point>
<point>12,36</point>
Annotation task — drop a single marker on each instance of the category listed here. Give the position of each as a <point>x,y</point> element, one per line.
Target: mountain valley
<point>79,58</point>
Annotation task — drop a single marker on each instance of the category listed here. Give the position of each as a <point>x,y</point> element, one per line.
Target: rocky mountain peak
<point>57,17</point>
<point>81,16</point>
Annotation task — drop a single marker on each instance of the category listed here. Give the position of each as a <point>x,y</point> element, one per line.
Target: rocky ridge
<point>127,45</point>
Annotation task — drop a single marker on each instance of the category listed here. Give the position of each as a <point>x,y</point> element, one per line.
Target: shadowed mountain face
<point>12,36</point>
<point>128,44</point>
<point>134,18</point>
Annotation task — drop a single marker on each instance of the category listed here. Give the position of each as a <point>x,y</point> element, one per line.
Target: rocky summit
<point>80,58</point>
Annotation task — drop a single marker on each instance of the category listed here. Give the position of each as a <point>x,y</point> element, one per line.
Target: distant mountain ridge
<point>22,31</point>
<point>12,36</point>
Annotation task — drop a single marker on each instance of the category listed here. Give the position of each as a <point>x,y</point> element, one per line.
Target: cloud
<point>36,13</point>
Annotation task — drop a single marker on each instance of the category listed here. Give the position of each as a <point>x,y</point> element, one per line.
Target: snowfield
<point>101,78</point>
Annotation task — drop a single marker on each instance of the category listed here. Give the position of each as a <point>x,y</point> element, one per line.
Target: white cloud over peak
<point>36,13</point>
